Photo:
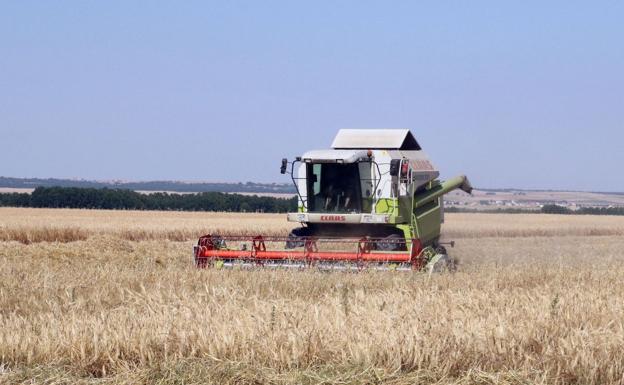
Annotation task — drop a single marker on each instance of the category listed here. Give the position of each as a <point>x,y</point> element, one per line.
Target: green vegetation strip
<point>122,199</point>
<point>92,198</point>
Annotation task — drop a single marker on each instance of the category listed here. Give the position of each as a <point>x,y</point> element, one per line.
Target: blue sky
<point>513,94</point>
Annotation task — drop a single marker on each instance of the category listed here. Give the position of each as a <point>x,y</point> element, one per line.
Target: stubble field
<point>111,297</point>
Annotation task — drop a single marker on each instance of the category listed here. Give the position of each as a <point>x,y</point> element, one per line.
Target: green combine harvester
<point>371,201</point>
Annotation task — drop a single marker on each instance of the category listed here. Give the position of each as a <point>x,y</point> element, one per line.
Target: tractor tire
<point>393,242</point>
<point>295,238</point>
<point>441,263</point>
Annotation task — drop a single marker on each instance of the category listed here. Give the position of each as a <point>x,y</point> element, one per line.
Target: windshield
<point>334,187</point>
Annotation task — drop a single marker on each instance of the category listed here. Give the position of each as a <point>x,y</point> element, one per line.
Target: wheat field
<point>111,297</point>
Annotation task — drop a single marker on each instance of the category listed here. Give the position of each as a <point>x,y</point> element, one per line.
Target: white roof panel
<point>375,139</point>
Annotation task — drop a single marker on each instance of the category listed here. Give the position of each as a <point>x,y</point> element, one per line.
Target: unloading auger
<point>372,201</point>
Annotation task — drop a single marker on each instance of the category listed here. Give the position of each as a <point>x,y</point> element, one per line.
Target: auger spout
<point>459,182</point>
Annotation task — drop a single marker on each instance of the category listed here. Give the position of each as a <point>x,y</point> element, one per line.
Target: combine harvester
<point>372,201</point>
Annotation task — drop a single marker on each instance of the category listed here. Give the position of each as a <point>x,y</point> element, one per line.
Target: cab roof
<point>389,139</point>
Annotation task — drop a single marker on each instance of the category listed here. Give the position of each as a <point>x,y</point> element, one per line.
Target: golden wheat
<point>67,225</point>
<point>530,304</point>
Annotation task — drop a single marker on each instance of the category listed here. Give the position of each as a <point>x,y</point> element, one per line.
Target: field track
<point>110,297</point>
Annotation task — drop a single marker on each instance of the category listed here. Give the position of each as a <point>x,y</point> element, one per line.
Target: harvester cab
<point>375,189</point>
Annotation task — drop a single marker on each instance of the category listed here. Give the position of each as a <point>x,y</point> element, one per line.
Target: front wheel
<point>441,263</point>
<point>393,242</point>
<point>296,238</point>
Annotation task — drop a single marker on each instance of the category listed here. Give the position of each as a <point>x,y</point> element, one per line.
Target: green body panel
<point>406,230</point>
<point>427,221</point>
<point>387,206</point>
<point>399,209</point>
<point>421,216</point>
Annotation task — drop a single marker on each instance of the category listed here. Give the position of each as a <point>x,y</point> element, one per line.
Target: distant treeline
<point>120,199</point>
<point>249,187</point>
<point>546,209</point>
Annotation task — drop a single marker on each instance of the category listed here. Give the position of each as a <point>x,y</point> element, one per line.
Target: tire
<point>393,242</point>
<point>295,237</point>
<point>440,249</point>
<point>441,263</point>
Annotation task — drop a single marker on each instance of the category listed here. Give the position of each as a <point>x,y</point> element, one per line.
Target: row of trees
<point>91,198</point>
<point>249,187</point>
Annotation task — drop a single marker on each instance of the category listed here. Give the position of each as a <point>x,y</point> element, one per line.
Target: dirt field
<point>99,297</point>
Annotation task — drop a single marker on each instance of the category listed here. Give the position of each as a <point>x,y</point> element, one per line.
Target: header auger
<point>372,201</point>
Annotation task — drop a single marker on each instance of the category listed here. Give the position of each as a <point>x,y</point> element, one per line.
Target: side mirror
<point>284,166</point>
<point>395,165</point>
<point>314,178</point>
